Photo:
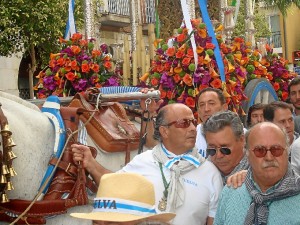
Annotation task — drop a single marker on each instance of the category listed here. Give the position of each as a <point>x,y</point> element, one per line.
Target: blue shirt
<point>234,204</point>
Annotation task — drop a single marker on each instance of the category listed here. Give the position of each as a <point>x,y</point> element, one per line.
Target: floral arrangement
<point>75,68</point>
<point>174,73</point>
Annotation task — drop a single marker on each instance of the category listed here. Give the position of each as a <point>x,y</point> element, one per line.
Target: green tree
<point>283,5</point>
<point>33,27</point>
<point>260,21</point>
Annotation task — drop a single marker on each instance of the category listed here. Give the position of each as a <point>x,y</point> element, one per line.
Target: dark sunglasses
<point>184,123</point>
<point>261,151</point>
<point>213,151</point>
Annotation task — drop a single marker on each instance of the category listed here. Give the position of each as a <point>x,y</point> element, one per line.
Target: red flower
<point>186,61</point>
<point>284,95</point>
<point>179,54</point>
<point>107,64</point>
<point>188,80</point>
<point>170,51</point>
<point>216,83</point>
<point>85,68</point>
<point>276,86</point>
<point>70,76</point>
<point>190,102</point>
<point>181,38</point>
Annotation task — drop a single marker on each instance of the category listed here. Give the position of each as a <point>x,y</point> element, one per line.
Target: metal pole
<point>89,19</point>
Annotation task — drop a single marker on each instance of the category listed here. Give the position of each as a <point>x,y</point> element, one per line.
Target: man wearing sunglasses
<point>271,191</point>
<point>185,182</point>
<point>224,134</point>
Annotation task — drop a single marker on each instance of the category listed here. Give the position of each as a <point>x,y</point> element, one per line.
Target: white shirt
<point>200,141</point>
<point>202,188</point>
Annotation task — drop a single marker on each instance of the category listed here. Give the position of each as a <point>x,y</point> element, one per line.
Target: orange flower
<point>75,49</point>
<point>83,43</point>
<point>188,80</point>
<point>73,65</point>
<point>107,64</point>
<point>76,36</point>
<point>199,49</point>
<point>170,51</point>
<point>216,83</point>
<point>70,76</point>
<point>181,38</point>
<point>52,63</point>
<point>186,61</point>
<point>176,78</point>
<point>177,69</point>
<point>202,33</point>
<point>85,68</point>
<point>96,53</point>
<point>276,86</point>
<point>95,67</point>
<point>190,102</point>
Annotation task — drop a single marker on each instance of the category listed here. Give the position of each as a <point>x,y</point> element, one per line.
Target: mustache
<point>270,164</point>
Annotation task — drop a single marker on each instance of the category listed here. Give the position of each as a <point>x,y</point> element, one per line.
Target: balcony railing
<point>275,39</point>
<point>122,8</point>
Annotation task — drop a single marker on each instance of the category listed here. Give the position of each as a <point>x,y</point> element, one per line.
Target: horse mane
<point>19,100</point>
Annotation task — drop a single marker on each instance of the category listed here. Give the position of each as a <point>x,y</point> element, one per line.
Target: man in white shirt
<point>210,101</point>
<point>185,182</point>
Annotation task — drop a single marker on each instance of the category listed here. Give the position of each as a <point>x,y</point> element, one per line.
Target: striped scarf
<point>186,162</point>
<point>258,211</point>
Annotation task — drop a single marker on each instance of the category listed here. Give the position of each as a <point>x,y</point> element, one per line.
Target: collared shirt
<point>234,204</point>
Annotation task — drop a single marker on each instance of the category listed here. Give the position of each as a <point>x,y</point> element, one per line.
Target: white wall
<point>9,69</point>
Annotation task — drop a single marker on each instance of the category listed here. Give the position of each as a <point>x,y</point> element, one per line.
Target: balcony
<point>117,12</point>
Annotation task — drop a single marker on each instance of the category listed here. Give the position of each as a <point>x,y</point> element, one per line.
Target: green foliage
<point>34,23</point>
<point>260,21</point>
<point>282,5</point>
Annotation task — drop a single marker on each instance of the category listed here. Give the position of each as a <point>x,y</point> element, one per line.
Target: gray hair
<point>159,121</point>
<point>287,139</point>
<point>220,120</point>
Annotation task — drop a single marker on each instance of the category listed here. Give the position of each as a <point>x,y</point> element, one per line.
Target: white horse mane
<point>19,100</point>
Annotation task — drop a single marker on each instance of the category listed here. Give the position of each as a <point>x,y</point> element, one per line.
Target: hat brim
<point>122,217</point>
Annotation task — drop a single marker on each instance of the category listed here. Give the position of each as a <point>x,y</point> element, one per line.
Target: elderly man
<point>210,101</point>
<point>224,135</point>
<point>271,192</point>
<point>185,183</point>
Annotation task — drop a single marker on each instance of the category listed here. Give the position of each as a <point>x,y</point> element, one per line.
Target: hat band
<point>122,206</point>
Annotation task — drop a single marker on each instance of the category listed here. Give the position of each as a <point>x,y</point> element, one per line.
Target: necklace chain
<point>166,184</point>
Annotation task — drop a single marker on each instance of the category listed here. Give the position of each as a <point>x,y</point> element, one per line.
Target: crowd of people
<point>188,165</point>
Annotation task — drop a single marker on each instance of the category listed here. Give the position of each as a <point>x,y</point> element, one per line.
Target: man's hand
<point>236,180</point>
<point>153,106</point>
<point>82,154</point>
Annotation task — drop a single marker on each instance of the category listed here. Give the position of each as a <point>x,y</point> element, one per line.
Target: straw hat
<point>124,197</point>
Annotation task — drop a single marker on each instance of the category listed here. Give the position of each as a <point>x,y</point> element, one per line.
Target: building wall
<point>9,69</point>
<point>291,26</point>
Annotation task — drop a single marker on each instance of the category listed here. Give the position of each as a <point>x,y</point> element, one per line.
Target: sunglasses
<point>261,151</point>
<point>184,123</point>
<point>213,151</point>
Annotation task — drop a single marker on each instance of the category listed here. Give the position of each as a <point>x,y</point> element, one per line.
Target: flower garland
<point>77,67</point>
<point>174,73</point>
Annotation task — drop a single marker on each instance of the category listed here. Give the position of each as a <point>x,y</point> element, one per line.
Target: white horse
<point>34,137</point>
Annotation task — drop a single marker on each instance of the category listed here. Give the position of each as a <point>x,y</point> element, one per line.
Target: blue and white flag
<point>70,28</point>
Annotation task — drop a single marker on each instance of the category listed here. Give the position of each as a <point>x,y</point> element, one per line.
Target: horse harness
<point>67,188</point>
